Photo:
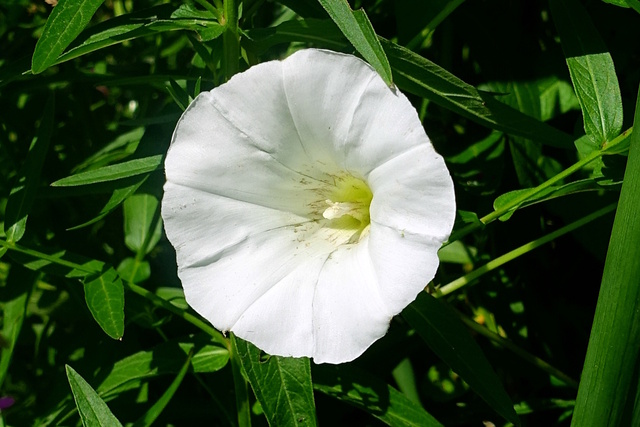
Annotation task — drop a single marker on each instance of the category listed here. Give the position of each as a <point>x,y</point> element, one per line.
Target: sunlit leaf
<point>112,172</point>
<point>591,69</point>
<point>282,385</point>
<point>104,294</point>
<point>93,411</point>
<point>66,21</point>
<point>356,27</point>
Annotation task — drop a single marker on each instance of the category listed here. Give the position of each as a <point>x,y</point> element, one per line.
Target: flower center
<point>348,204</point>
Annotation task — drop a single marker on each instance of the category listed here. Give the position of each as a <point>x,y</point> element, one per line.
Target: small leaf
<point>592,71</point>
<point>364,391</point>
<point>357,28</point>
<point>443,331</point>
<point>112,172</point>
<point>104,294</point>
<point>66,21</point>
<point>28,180</point>
<point>93,411</point>
<point>282,385</point>
<point>142,224</point>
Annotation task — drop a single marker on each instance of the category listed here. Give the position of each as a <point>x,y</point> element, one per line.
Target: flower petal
<point>348,311</point>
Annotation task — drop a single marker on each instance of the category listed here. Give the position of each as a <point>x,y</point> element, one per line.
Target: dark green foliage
<point>531,104</point>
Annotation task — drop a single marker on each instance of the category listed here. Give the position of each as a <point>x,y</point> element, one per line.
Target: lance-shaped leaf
<point>609,380</point>
<point>112,172</point>
<point>282,385</point>
<point>416,74</point>
<point>93,411</point>
<point>142,224</point>
<point>446,335</point>
<point>357,28</point>
<point>66,21</point>
<point>23,192</point>
<point>592,71</point>
<point>104,294</point>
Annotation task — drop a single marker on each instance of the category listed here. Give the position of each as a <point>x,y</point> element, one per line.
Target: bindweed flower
<point>306,205</point>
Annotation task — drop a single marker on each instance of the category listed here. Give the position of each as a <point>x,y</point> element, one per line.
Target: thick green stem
<point>230,39</point>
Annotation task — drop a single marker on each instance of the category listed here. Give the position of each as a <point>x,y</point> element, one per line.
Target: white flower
<point>306,205</point>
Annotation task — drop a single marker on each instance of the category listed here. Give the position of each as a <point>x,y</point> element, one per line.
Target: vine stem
<point>230,39</point>
<point>511,255</point>
<point>609,148</point>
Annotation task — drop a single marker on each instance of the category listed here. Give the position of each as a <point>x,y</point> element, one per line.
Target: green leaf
<point>362,390</point>
<point>112,172</point>
<point>282,385</point>
<point>93,411</point>
<point>142,224</point>
<point>66,21</point>
<point>609,381</point>
<point>118,196</point>
<point>588,184</point>
<point>13,305</point>
<point>132,270</point>
<point>104,294</point>
<point>416,74</point>
<point>592,71</point>
<point>24,191</point>
<point>154,412</point>
<point>357,28</point>
<point>441,328</point>
<point>164,359</point>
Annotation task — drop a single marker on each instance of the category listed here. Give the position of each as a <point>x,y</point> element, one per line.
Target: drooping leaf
<point>591,68</point>
<point>142,224</point>
<point>104,294</point>
<point>443,331</point>
<point>66,21</point>
<point>362,390</point>
<point>357,28</point>
<point>118,196</point>
<point>416,74</point>
<point>282,385</point>
<point>112,172</point>
<point>93,411</point>
<point>23,192</point>
<point>609,380</point>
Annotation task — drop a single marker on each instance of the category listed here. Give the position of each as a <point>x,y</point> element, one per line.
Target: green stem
<point>195,321</point>
<point>536,361</point>
<point>241,386</point>
<point>594,155</point>
<point>509,256</point>
<point>230,39</point>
